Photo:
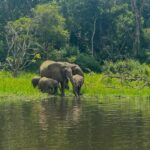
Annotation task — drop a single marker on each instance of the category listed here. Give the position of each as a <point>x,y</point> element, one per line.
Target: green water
<point>70,124</point>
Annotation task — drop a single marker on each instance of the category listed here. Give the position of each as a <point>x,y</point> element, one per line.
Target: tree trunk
<point>93,34</point>
<point>138,13</point>
<point>46,50</point>
<point>136,44</point>
<point>15,73</point>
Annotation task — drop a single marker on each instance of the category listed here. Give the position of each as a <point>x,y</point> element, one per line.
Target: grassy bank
<point>20,86</point>
<point>95,85</point>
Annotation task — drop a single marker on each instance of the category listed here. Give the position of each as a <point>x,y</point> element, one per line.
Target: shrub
<point>88,63</point>
<point>66,54</point>
<point>70,51</point>
<point>56,55</point>
<point>147,36</point>
<point>129,68</point>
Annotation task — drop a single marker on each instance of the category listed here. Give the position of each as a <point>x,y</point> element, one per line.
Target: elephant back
<point>76,69</point>
<point>44,66</point>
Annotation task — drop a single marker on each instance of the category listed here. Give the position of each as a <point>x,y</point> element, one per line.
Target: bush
<point>88,63</point>
<point>70,51</point>
<point>129,68</point>
<point>147,36</point>
<point>56,55</point>
<point>66,54</point>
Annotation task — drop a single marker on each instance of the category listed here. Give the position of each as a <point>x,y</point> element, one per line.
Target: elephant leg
<point>66,84</point>
<point>62,89</point>
<point>52,90</point>
<point>75,91</point>
<point>55,90</point>
<point>79,89</point>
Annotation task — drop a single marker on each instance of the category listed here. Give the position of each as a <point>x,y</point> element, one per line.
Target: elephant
<point>48,85</point>
<point>78,82</point>
<point>57,71</point>
<point>75,70</point>
<point>35,81</point>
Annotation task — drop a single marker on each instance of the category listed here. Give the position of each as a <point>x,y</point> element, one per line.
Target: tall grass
<point>20,86</point>
<point>99,85</point>
<point>94,85</point>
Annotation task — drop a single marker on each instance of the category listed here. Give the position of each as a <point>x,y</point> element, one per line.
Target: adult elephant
<point>57,71</point>
<point>75,68</point>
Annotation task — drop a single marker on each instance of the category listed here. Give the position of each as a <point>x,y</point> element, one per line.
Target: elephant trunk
<point>72,82</point>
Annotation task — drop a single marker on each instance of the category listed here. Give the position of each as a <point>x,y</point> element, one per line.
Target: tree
<point>82,17</point>
<point>21,48</point>
<point>10,10</point>
<point>137,7</point>
<point>50,27</point>
<point>124,28</point>
<point>146,14</point>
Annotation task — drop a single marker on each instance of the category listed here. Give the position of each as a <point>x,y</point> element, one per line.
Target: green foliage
<point>22,24</point>
<point>20,86</point>
<point>21,44</point>
<point>56,23</point>
<point>88,63</point>
<point>70,51</point>
<point>129,66</point>
<point>66,54</point>
<point>56,55</point>
<point>147,36</point>
<point>130,72</point>
<point>94,85</point>
<point>50,26</point>
<point>123,25</point>
<point>2,52</point>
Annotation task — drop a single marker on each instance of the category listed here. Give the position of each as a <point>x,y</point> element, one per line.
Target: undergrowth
<point>95,85</point>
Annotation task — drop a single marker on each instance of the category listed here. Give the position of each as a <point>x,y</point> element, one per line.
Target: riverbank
<point>95,85</point>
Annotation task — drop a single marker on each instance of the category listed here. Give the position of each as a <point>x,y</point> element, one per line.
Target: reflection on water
<point>70,124</point>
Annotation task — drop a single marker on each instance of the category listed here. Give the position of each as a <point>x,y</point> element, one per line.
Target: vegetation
<point>95,85</point>
<point>108,37</point>
<point>46,29</point>
<point>20,86</point>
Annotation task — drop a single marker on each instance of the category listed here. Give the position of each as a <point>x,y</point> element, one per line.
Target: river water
<point>71,124</point>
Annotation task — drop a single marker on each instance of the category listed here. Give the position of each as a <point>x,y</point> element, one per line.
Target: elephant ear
<point>77,70</point>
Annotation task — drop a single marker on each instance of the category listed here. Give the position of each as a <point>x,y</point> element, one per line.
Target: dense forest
<point>87,32</point>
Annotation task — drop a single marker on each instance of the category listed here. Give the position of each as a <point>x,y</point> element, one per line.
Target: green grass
<point>95,85</point>
<point>20,86</point>
<point>98,85</point>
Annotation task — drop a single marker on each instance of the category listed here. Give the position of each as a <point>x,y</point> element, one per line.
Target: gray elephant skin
<point>48,85</point>
<point>57,71</point>
<point>75,68</point>
<point>35,81</point>
<point>78,82</point>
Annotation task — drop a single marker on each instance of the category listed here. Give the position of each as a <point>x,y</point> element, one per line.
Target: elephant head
<point>35,81</point>
<point>68,74</point>
<point>74,67</point>
<point>77,70</point>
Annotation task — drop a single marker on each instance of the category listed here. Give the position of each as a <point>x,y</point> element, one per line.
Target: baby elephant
<point>48,85</point>
<point>35,81</point>
<point>78,82</point>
